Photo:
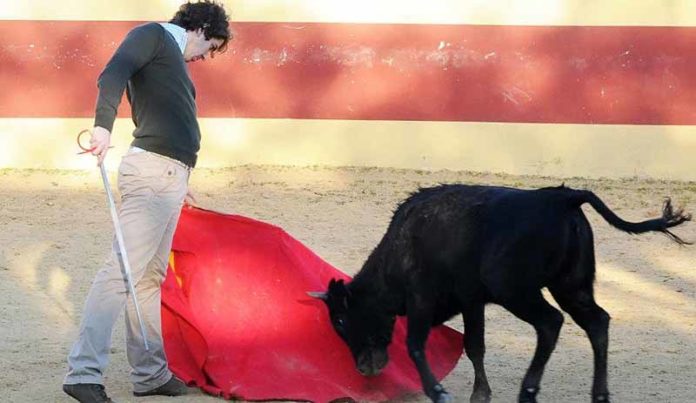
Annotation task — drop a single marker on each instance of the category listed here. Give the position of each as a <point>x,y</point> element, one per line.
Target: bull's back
<point>486,240</point>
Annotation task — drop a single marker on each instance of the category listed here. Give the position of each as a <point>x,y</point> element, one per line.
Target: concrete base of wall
<point>593,151</point>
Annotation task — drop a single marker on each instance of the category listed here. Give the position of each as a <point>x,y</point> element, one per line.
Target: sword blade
<point>124,255</point>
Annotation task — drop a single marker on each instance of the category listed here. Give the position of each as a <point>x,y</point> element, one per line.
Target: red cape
<point>237,321</point>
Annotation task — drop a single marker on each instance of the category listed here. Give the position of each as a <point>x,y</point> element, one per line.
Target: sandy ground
<point>56,232</point>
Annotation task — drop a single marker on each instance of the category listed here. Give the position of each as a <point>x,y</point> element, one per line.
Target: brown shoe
<point>173,387</point>
<point>87,393</point>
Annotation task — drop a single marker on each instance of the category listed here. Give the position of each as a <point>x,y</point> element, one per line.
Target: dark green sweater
<point>150,65</point>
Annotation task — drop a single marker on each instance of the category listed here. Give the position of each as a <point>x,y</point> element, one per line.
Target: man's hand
<point>100,141</point>
<point>190,199</point>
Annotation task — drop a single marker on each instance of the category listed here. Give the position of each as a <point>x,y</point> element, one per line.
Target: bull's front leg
<point>475,347</point>
<point>419,320</point>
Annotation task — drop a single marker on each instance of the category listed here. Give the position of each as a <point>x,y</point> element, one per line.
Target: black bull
<point>454,248</point>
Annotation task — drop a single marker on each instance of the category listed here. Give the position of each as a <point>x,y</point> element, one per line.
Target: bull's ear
<point>337,286</point>
<point>318,294</point>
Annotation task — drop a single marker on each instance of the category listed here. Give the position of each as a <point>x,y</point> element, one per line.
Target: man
<point>153,182</point>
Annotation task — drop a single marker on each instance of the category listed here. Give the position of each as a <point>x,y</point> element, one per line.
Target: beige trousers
<point>152,190</point>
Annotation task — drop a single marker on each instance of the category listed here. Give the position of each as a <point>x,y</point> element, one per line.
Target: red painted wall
<point>632,75</point>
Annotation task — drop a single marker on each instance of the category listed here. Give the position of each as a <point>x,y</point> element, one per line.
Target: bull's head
<point>361,324</point>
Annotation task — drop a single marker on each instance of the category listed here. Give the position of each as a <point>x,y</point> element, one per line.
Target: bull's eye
<point>340,322</point>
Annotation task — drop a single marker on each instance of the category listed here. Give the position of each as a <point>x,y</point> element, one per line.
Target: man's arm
<point>137,49</point>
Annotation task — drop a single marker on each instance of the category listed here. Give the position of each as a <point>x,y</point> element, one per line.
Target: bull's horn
<point>317,294</point>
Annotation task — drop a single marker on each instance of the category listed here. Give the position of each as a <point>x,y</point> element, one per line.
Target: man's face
<point>198,48</point>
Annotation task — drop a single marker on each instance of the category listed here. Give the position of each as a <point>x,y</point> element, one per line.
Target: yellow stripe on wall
<point>494,12</point>
<point>567,150</point>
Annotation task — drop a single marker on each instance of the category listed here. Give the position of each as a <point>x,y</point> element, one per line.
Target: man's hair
<point>208,16</point>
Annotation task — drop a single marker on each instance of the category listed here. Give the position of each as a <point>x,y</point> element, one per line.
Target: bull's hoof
<point>601,398</point>
<point>440,395</point>
<point>480,396</point>
<point>444,397</point>
<point>528,395</point>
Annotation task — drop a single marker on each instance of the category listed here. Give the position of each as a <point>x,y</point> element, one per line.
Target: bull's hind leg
<point>420,317</point>
<point>475,347</point>
<point>547,322</point>
<point>580,304</point>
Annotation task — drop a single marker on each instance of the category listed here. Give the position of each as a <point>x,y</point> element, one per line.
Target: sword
<point>125,265</point>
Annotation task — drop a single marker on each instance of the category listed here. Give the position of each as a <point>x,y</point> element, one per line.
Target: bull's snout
<point>372,362</point>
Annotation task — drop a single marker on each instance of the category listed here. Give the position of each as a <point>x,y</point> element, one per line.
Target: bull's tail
<point>670,217</point>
